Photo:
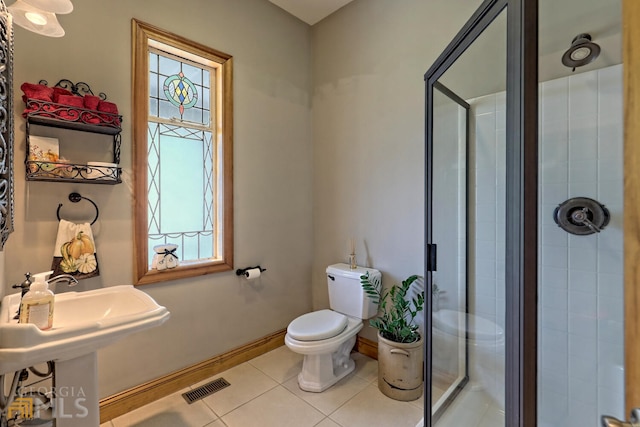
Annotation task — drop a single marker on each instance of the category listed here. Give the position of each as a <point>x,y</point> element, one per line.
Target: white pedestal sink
<point>83,322</point>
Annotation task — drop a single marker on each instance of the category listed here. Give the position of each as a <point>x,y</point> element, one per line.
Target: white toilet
<point>326,337</point>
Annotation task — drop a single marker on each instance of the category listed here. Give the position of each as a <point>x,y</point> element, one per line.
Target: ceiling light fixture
<point>60,7</point>
<point>35,20</point>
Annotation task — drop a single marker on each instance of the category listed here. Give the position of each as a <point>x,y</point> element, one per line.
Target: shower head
<point>581,52</point>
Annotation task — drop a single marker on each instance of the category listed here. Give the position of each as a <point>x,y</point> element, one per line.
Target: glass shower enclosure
<point>479,222</point>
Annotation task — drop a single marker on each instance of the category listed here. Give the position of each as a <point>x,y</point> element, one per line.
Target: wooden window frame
<point>142,35</point>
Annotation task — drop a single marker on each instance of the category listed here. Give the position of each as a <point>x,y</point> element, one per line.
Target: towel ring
<point>75,198</point>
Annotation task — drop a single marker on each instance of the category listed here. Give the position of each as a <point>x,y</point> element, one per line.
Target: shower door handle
<point>634,420</point>
<point>432,257</point>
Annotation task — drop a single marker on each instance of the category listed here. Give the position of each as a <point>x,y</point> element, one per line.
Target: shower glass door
<point>481,318</point>
<point>468,214</point>
<point>450,282</point>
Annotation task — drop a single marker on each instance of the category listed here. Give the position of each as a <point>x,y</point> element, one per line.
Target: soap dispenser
<point>37,304</point>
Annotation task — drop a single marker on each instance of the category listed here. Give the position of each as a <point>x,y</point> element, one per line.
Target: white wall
<point>368,131</point>
<point>272,176</point>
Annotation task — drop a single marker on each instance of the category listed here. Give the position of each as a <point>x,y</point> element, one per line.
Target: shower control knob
<point>634,420</point>
<point>581,216</point>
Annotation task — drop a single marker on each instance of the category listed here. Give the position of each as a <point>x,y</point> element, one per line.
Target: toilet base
<point>321,371</point>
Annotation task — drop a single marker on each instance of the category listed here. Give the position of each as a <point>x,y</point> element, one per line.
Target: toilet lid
<point>479,328</point>
<point>317,325</point>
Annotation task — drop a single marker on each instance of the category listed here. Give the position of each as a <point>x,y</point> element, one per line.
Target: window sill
<point>186,269</point>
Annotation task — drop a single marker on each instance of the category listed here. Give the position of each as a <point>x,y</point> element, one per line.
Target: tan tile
<point>170,411</point>
<point>247,382</point>
<point>371,408</point>
<point>280,364</point>
<point>366,367</point>
<point>328,422</point>
<point>277,407</point>
<point>436,393</point>
<point>216,423</point>
<point>419,402</point>
<point>494,417</point>
<point>107,424</point>
<point>333,397</point>
<point>468,409</point>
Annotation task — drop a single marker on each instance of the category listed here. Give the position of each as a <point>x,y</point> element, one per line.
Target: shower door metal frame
<point>465,380</point>
<point>521,201</point>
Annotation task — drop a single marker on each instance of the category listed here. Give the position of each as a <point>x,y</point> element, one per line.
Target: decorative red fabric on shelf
<point>57,91</point>
<point>111,108</point>
<point>37,91</point>
<point>91,102</point>
<point>71,100</point>
<point>62,104</point>
<point>107,107</point>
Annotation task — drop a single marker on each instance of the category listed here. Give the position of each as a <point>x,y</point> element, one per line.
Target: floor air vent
<point>205,390</point>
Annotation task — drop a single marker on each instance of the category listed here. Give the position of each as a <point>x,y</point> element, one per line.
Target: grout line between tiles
<point>240,406</point>
<point>284,388</point>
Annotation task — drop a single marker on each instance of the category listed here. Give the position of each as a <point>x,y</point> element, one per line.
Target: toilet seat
<point>328,344</point>
<point>479,328</point>
<point>317,325</point>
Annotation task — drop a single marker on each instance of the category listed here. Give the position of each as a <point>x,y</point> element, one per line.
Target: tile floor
<point>264,392</point>
<point>472,408</point>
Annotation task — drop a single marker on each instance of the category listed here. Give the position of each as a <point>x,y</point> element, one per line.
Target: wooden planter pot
<point>400,369</point>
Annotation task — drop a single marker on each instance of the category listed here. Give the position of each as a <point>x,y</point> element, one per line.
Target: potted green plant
<point>400,352</point>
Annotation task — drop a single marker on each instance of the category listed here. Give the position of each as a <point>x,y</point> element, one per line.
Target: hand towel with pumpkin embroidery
<point>75,251</point>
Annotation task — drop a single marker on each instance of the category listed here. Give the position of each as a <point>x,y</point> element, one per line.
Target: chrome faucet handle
<point>582,216</point>
<point>608,421</point>
<point>24,286</point>
<point>634,420</point>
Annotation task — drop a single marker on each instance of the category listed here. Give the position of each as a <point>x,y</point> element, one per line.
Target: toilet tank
<point>346,295</point>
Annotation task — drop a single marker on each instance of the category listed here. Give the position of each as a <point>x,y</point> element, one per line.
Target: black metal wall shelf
<point>50,114</point>
<point>69,172</point>
<point>80,126</point>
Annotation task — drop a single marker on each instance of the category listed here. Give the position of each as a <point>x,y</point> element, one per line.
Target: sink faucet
<point>71,281</point>
<point>26,285</point>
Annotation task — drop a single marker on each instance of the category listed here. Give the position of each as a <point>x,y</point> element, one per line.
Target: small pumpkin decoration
<point>68,265</point>
<point>87,263</point>
<point>78,254</point>
<point>79,245</point>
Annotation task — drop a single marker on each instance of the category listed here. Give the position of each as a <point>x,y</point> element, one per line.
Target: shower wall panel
<point>488,114</point>
<point>580,277</point>
<point>487,296</point>
<point>580,360</point>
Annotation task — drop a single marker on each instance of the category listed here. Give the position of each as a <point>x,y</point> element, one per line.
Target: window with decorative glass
<point>182,157</point>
